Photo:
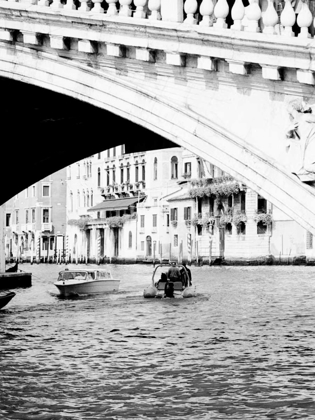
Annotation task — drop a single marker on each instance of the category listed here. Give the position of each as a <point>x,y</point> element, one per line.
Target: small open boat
<point>182,286</point>
<point>13,268</point>
<point>5,298</point>
<point>86,282</point>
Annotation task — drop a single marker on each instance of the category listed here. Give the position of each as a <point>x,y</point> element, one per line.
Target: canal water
<point>243,348</point>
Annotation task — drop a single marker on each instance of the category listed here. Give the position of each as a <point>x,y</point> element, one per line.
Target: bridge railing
<point>279,18</point>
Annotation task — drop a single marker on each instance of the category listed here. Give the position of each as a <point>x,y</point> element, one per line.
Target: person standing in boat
<point>187,272</point>
<point>173,272</point>
<point>169,289</point>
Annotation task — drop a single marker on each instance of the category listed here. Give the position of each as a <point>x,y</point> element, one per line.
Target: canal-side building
<point>101,219</point>
<point>36,221</point>
<point>170,204</point>
<point>209,216</point>
<point>161,204</point>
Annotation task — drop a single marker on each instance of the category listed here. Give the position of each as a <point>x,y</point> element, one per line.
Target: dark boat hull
<point>12,269</point>
<point>5,299</point>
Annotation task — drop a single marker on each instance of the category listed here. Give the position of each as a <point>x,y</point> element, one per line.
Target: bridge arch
<point>144,105</point>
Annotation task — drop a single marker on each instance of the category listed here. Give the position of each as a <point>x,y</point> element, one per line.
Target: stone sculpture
<point>301,139</point>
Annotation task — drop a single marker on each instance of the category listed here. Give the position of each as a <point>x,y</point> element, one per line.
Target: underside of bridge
<point>237,125</point>
<point>43,131</point>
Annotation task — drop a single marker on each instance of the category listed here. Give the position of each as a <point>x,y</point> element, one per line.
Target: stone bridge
<point>211,77</point>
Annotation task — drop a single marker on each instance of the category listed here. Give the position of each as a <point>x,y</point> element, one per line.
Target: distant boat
<point>86,282</point>
<point>5,298</point>
<point>13,268</point>
<point>182,287</point>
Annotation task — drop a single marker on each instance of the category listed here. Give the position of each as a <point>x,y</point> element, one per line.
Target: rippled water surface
<point>243,348</point>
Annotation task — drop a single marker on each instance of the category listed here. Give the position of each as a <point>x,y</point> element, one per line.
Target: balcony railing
<point>46,227</point>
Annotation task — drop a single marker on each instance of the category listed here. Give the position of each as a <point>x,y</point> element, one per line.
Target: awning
<point>117,204</point>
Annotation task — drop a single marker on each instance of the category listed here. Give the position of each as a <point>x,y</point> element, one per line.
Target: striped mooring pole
<point>189,246</point>
<point>38,249</point>
<point>67,249</point>
<point>99,247</point>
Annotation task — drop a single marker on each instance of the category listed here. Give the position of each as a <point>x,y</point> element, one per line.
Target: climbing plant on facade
<point>264,218</point>
<point>224,186</point>
<point>80,223</point>
<point>239,217</point>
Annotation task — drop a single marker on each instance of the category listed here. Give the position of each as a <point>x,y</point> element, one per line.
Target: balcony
<point>186,175</point>
<point>46,227</point>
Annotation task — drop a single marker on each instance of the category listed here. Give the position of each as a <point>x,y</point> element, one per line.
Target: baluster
<point>270,19</point>
<point>84,6</point>
<point>190,8</point>
<point>304,21</point>
<point>70,5</point>
<point>206,10</point>
<point>112,9</point>
<point>125,8</point>
<point>140,12</point>
<point>253,14</point>
<point>287,19</point>
<point>221,10</point>
<point>97,6</point>
<point>56,4</point>
<point>155,6</point>
<point>238,13</point>
<point>43,3</point>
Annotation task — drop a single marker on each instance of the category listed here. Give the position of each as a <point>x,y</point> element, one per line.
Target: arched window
<point>143,170</point>
<point>155,169</point>
<point>137,172</point>
<point>87,199</point>
<point>78,170</point>
<point>149,246</point>
<point>98,177</point>
<point>241,228</point>
<point>114,174</point>
<point>75,243</point>
<point>84,199</point>
<point>128,172</point>
<point>78,199</point>
<point>228,228</point>
<point>130,239</point>
<point>261,228</point>
<point>91,198</point>
<point>107,176</point>
<point>174,167</point>
<point>261,204</point>
<point>121,173</point>
<point>71,201</point>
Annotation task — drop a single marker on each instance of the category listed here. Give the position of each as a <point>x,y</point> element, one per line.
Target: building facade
<point>163,204</point>
<point>211,216</point>
<point>36,221</point>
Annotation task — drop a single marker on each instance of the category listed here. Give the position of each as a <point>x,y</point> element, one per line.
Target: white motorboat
<point>182,286</point>
<point>89,281</point>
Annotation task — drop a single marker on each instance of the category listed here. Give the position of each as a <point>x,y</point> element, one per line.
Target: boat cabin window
<point>71,275</point>
<point>103,274</point>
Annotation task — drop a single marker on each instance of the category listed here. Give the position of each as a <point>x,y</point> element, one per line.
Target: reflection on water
<point>243,348</point>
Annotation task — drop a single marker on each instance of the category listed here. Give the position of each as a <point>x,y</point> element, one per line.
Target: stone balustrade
<point>275,18</point>
<point>141,28</point>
